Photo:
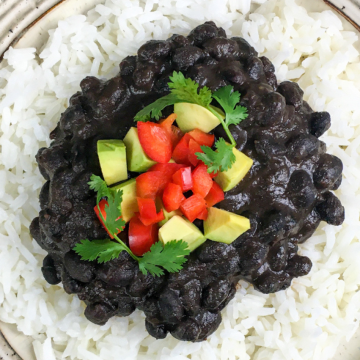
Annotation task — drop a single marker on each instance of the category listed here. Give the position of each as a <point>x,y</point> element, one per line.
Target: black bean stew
<point>286,194</point>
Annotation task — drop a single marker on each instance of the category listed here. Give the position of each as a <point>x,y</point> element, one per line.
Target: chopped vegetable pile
<point>180,179</point>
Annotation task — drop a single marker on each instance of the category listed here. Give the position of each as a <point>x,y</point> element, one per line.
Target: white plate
<point>29,22</point>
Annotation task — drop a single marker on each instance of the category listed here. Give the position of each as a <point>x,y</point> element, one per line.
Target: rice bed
<point>308,320</point>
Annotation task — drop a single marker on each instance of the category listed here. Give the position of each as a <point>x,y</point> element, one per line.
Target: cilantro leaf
<point>97,184</point>
<point>228,99</point>
<point>102,250</point>
<point>187,90</point>
<point>154,110</point>
<point>219,160</point>
<point>181,90</point>
<point>171,257</point>
<point>113,220</point>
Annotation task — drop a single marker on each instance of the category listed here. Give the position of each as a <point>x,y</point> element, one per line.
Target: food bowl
<point>27,26</point>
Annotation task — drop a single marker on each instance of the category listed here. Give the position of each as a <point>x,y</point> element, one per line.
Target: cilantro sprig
<point>170,257</point>
<point>186,90</point>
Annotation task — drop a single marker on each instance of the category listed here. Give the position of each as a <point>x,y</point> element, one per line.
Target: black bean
<point>191,296</point>
<point>269,282</point>
<point>269,148</point>
<point>157,331</point>
<point>208,322</point>
<point>277,256</point>
<point>220,48</point>
<point>255,68</point>
<point>252,254</point>
<point>337,183</point>
<point>79,269</point>
<point>128,65</point>
<point>178,41</point>
<point>71,286</point>
<point>215,294</point>
<point>239,135</point>
<point>331,210</point>
<point>99,313</point>
<point>203,33</point>
<point>328,171</point>
<point>170,306</point>
<point>187,330</point>
<point>118,272</point>
<point>299,266</point>
<point>301,189</point>
<point>153,50</point>
<point>244,48</point>
<point>187,56</point>
<point>268,65</point>
<point>140,285</point>
<point>234,73</point>
<point>274,105</point>
<point>303,146</point>
<point>320,122</point>
<point>292,92</point>
<point>49,271</point>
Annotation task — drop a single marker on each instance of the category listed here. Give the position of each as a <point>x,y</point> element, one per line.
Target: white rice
<point>308,320</point>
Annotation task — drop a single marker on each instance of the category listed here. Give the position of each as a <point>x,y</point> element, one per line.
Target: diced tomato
<point>203,215</point>
<point>181,151</point>
<point>193,206</point>
<point>202,181</point>
<point>150,184</point>
<point>148,214</point>
<point>168,170</point>
<point>174,132</point>
<point>194,148</point>
<point>102,205</point>
<point>172,197</point>
<point>155,141</point>
<point>141,237</point>
<point>202,138</point>
<point>183,178</point>
<point>215,195</point>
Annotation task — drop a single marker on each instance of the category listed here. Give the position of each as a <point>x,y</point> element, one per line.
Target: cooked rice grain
<point>308,320</point>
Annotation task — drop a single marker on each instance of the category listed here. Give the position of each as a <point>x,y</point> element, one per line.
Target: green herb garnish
<point>186,90</point>
<point>170,257</point>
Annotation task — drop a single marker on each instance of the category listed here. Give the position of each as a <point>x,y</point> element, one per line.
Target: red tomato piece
<point>181,151</point>
<point>150,184</point>
<point>102,205</point>
<point>193,206</point>
<point>154,220</point>
<point>183,178</point>
<point>141,237</point>
<point>194,148</point>
<point>215,195</point>
<point>172,197</point>
<point>174,132</point>
<point>148,214</point>
<point>155,141</point>
<point>202,181</point>
<point>202,138</point>
<point>203,215</point>
<point>168,170</point>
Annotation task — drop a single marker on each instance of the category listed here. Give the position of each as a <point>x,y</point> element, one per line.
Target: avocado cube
<point>168,215</point>
<point>137,160</point>
<point>192,116</point>
<point>178,228</point>
<point>230,178</point>
<point>129,205</point>
<point>112,158</point>
<point>224,226</point>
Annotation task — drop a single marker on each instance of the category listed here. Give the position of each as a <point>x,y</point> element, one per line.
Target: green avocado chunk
<point>224,226</point>
<point>112,157</point>
<point>137,160</point>
<point>178,228</point>
<point>192,116</point>
<point>230,178</point>
<point>168,215</point>
<point>129,205</point>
